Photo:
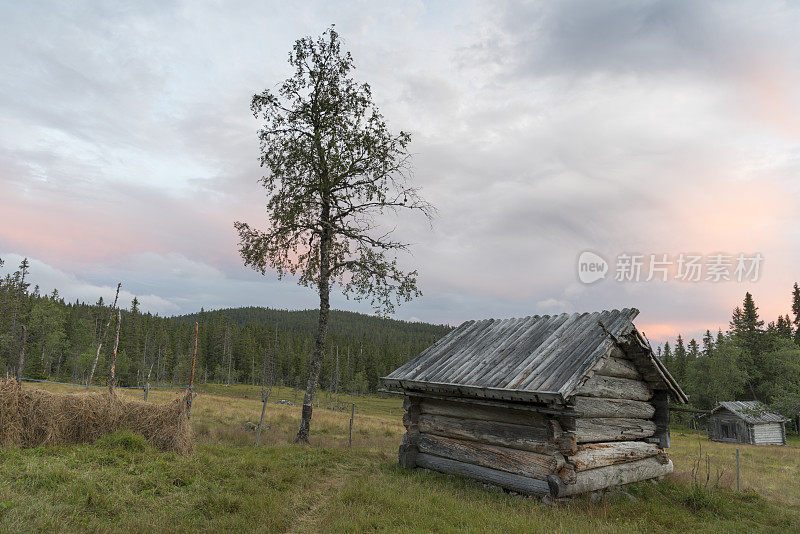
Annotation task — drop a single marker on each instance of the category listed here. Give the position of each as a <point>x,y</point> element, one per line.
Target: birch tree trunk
<point>315,365</point>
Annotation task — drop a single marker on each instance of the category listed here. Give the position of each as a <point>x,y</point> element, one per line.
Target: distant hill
<point>341,323</point>
<point>360,348</point>
<point>235,345</point>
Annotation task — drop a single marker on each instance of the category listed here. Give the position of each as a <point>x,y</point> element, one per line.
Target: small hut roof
<point>540,358</point>
<point>752,412</point>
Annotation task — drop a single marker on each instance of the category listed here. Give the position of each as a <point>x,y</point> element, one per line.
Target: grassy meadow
<point>121,484</point>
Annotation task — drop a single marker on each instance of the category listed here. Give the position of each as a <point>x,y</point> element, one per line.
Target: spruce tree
<point>680,360</point>
<point>669,361</point>
<point>737,320</point>
<point>747,327</point>
<point>19,290</point>
<point>693,350</point>
<point>796,312</point>
<point>708,343</point>
<point>747,331</point>
<point>782,328</point>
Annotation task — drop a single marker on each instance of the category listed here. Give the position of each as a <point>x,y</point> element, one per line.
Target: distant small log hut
<point>746,422</point>
<point>557,405</point>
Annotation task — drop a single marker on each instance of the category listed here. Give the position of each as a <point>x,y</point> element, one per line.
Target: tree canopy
<point>333,168</point>
<point>748,362</point>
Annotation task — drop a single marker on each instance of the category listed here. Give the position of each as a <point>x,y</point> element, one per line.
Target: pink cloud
<point>134,220</point>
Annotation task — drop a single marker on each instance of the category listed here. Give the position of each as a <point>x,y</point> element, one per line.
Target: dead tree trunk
<point>264,399</point>
<point>228,351</point>
<point>102,337</point>
<point>58,363</point>
<point>21,363</point>
<point>112,380</point>
<point>143,364</point>
<point>147,383</point>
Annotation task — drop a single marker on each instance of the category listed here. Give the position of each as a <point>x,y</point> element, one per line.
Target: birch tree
<point>333,168</point>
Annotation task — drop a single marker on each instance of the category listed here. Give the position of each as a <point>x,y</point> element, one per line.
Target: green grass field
<point>121,484</point>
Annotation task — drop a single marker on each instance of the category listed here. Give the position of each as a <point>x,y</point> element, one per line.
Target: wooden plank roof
<point>751,411</point>
<point>540,358</point>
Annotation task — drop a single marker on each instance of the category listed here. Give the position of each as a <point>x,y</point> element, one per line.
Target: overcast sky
<point>540,130</point>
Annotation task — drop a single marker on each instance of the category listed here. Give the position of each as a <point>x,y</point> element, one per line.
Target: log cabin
<point>560,405</point>
<point>746,422</point>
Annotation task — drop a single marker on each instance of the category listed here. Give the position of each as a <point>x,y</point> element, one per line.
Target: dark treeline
<point>749,361</point>
<point>240,345</point>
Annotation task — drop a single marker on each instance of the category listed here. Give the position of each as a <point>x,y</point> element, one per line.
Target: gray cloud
<point>581,38</point>
<point>540,130</point>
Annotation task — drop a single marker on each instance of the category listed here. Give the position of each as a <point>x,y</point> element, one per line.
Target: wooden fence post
<point>738,486</point>
<point>352,415</point>
<point>146,391</point>
<point>264,399</point>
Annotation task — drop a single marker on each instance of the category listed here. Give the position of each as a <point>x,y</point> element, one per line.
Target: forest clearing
<point>121,483</point>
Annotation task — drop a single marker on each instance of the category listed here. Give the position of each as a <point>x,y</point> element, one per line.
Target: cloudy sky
<point>540,130</point>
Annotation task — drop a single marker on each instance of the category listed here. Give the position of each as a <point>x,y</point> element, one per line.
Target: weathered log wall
<point>617,404</point>
<point>525,463</point>
<point>593,430</point>
<point>619,368</point>
<point>521,484</point>
<point>522,437</point>
<point>409,448</point>
<point>594,455</point>
<point>515,448</point>
<point>600,407</point>
<point>616,388</point>
<point>769,434</point>
<point>483,412</point>
<point>612,475</point>
<point>608,434</point>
